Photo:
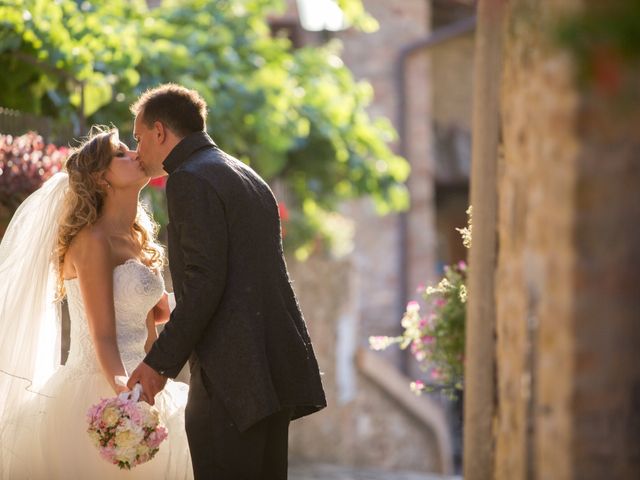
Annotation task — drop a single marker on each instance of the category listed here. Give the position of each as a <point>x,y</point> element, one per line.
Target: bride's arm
<point>152,333</point>
<point>158,315</point>
<point>161,311</point>
<point>95,273</point>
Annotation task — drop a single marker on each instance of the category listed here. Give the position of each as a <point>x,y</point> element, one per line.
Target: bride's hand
<point>120,389</point>
<point>120,384</point>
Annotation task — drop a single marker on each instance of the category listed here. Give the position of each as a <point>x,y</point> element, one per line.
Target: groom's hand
<point>152,382</point>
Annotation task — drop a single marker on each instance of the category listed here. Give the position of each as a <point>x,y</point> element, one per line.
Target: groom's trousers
<point>219,451</point>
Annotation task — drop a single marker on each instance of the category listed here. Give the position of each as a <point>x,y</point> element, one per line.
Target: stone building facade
<point>373,420</point>
<point>364,425</point>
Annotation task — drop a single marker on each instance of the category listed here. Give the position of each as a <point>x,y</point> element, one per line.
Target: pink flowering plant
<point>26,162</point>
<point>126,432</point>
<point>436,336</point>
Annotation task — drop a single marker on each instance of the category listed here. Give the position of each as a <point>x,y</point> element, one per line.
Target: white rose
<point>129,438</point>
<point>150,417</point>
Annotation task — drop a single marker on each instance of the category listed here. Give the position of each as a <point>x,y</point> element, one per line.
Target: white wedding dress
<point>51,441</point>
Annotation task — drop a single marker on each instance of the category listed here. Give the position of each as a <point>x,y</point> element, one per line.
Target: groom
<point>236,320</point>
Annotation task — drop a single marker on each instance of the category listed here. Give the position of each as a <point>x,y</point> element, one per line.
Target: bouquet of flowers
<point>126,432</point>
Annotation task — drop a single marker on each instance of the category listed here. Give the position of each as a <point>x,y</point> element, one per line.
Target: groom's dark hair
<point>181,110</point>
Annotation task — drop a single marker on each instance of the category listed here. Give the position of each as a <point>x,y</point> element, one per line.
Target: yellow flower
<point>142,450</point>
<point>129,438</point>
<point>110,416</point>
<point>463,293</point>
<point>95,437</point>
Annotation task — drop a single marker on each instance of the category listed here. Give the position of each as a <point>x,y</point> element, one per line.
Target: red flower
<point>284,216</point>
<point>607,69</point>
<point>159,182</point>
<point>284,212</point>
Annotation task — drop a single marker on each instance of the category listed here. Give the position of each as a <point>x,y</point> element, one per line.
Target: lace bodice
<point>136,289</point>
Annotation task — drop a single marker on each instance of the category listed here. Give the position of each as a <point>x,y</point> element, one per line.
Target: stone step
<point>320,471</point>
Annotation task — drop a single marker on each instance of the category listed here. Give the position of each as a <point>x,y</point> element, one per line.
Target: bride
<point>83,235</point>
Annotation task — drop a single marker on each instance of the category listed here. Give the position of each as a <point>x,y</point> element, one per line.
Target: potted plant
<point>436,338</point>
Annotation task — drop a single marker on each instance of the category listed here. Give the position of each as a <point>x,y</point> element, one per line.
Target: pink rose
<point>109,454</point>
<point>157,437</point>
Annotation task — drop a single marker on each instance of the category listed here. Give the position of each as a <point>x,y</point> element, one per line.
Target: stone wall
<point>536,251</point>
<point>362,425</point>
<point>606,395</point>
<point>378,242</point>
<point>567,279</point>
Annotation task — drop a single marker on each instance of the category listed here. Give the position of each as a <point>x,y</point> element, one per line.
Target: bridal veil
<point>29,315</point>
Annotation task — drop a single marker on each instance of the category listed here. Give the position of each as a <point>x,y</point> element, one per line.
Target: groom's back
<point>256,348</point>
<point>251,216</point>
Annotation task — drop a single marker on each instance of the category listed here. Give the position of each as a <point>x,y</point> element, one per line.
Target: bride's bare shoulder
<point>91,243</point>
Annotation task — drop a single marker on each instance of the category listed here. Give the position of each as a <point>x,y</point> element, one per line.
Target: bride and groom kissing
<point>85,236</point>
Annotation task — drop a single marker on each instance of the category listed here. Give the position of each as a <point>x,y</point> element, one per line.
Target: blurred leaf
<point>97,93</point>
<point>297,117</point>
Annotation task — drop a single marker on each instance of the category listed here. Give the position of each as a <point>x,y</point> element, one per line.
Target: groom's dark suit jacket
<point>236,313</point>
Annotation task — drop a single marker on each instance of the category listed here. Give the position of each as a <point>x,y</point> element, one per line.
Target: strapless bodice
<point>136,289</point>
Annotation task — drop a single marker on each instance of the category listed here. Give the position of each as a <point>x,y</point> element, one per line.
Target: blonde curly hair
<point>85,198</point>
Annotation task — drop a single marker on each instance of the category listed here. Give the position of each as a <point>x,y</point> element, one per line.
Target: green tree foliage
<point>50,49</point>
<point>296,116</point>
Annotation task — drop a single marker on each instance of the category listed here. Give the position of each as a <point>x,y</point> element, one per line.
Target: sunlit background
<point>364,117</point>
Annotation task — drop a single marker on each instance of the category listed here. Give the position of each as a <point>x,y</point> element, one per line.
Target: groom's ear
<point>160,131</point>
